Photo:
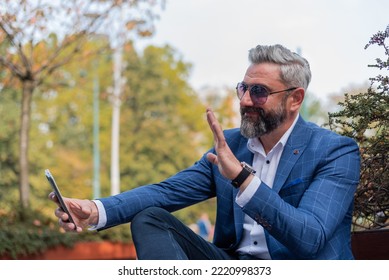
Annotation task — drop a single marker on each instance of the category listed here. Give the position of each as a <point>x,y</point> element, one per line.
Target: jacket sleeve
<point>185,188</point>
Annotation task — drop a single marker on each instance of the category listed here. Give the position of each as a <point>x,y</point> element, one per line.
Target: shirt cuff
<point>244,197</point>
<point>102,216</point>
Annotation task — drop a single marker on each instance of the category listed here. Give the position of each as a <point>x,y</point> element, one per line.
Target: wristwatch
<point>242,176</point>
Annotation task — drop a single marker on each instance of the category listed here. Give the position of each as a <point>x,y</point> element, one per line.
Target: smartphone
<point>53,184</point>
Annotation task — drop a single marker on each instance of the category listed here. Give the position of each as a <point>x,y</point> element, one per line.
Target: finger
<point>82,211</point>
<point>53,197</point>
<point>215,126</point>
<point>212,158</point>
<point>59,213</point>
<point>210,123</point>
<point>210,117</point>
<point>67,226</point>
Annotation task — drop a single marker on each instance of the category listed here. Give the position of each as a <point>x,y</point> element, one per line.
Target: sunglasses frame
<point>254,97</point>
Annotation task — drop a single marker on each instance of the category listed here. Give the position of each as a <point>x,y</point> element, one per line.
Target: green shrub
<point>31,234</point>
<point>365,117</point>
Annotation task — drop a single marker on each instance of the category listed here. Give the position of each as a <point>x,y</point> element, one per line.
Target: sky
<point>215,36</point>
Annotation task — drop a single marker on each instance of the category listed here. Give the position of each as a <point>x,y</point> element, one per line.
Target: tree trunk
<point>115,137</point>
<point>24,185</point>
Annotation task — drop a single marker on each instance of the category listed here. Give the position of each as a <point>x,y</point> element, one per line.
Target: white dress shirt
<point>253,241</point>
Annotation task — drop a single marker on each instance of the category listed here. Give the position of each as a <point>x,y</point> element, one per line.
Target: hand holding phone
<point>54,186</point>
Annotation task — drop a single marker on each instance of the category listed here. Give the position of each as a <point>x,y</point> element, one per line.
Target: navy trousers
<point>158,235</point>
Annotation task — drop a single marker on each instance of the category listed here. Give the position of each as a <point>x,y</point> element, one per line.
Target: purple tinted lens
<point>258,91</point>
<point>258,94</point>
<point>241,89</point>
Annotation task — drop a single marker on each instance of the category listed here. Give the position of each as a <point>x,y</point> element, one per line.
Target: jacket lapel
<point>295,146</point>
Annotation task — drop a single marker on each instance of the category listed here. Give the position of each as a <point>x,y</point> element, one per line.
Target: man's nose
<point>246,99</point>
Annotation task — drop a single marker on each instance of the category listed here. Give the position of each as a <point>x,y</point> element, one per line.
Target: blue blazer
<point>306,215</point>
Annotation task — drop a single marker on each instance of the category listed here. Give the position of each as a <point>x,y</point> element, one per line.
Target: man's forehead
<point>263,70</point>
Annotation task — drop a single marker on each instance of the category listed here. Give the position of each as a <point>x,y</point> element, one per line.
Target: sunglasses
<point>258,93</point>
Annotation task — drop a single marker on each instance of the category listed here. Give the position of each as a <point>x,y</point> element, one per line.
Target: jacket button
<point>257,218</point>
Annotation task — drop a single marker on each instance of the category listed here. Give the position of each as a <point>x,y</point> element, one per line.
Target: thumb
<point>212,158</point>
<point>81,210</point>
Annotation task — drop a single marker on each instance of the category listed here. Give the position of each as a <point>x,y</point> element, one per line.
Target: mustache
<point>244,110</point>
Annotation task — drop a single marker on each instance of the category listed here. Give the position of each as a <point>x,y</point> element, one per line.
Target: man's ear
<point>297,98</point>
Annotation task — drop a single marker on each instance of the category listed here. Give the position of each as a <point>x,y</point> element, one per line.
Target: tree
<point>164,128</point>
<point>62,126</point>
<point>313,109</point>
<point>365,117</point>
<point>39,37</point>
<point>161,129</point>
<point>9,111</point>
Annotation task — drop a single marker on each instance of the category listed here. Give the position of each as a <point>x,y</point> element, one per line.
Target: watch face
<point>248,167</point>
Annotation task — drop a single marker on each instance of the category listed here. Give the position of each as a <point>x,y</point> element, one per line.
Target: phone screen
<point>53,184</point>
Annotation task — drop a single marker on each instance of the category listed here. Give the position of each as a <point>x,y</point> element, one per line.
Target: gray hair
<point>295,71</point>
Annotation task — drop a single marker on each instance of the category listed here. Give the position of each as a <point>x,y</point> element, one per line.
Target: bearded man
<point>284,187</point>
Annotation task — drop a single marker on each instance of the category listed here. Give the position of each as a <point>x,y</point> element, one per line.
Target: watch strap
<point>242,176</point>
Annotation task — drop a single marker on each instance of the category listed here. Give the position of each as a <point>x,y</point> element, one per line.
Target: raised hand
<point>228,164</point>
